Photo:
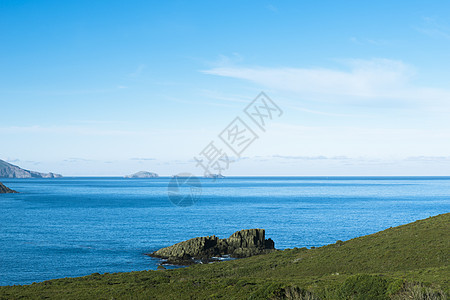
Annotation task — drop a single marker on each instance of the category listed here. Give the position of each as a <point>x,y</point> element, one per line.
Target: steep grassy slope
<point>412,253</point>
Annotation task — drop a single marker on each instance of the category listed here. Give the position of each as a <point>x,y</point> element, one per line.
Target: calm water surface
<point>77,226</point>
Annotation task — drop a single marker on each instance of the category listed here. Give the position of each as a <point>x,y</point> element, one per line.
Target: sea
<point>70,227</point>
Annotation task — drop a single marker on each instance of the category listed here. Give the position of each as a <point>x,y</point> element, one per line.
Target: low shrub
<point>362,287</point>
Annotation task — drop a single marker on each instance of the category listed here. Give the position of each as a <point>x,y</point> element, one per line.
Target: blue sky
<point>115,87</point>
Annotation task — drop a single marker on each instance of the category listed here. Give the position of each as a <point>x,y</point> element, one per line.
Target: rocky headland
<point>244,243</point>
<point>6,190</point>
<point>8,170</point>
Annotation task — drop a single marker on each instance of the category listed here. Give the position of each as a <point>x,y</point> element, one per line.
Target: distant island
<point>143,174</point>
<point>6,190</point>
<point>8,170</point>
<point>214,176</point>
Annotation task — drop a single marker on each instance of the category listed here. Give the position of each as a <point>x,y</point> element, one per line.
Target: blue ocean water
<point>77,226</point>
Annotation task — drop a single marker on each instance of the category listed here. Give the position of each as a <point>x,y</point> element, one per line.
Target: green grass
<point>398,263</point>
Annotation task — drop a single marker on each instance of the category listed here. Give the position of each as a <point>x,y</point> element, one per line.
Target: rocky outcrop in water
<point>6,190</point>
<point>240,244</point>
<point>8,170</point>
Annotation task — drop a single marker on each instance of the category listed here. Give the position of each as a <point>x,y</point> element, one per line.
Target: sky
<point>109,88</point>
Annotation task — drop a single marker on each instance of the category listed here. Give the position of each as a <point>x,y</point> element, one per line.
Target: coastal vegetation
<point>405,262</point>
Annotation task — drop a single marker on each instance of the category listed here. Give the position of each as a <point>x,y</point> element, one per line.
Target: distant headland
<point>8,170</point>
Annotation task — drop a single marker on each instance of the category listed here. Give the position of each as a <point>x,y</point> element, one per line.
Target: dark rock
<point>269,244</point>
<point>6,190</point>
<point>240,244</point>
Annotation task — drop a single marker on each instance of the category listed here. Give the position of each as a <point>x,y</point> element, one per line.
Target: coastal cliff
<point>244,243</point>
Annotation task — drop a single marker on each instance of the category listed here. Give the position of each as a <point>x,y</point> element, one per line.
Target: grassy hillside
<point>405,262</point>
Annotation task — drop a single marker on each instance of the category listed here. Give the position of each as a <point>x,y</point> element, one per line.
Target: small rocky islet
<point>243,243</point>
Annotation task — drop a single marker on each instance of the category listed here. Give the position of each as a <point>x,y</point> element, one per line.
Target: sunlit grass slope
<point>398,263</point>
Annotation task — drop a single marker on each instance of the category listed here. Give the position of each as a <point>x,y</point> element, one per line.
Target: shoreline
<point>444,216</point>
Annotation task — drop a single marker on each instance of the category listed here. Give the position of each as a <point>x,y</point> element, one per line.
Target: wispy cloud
<point>12,160</point>
<point>317,112</point>
<point>96,122</point>
<point>272,8</point>
<point>142,158</point>
<point>435,28</point>
<point>35,129</point>
<point>138,71</point>
<point>318,157</point>
<point>428,158</point>
<point>361,80</point>
<point>225,60</point>
<point>77,160</point>
<point>41,92</point>
<point>225,97</point>
<point>364,78</point>
<point>32,162</point>
<point>368,41</point>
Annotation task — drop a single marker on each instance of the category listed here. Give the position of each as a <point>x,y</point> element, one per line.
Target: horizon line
<point>226,176</point>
